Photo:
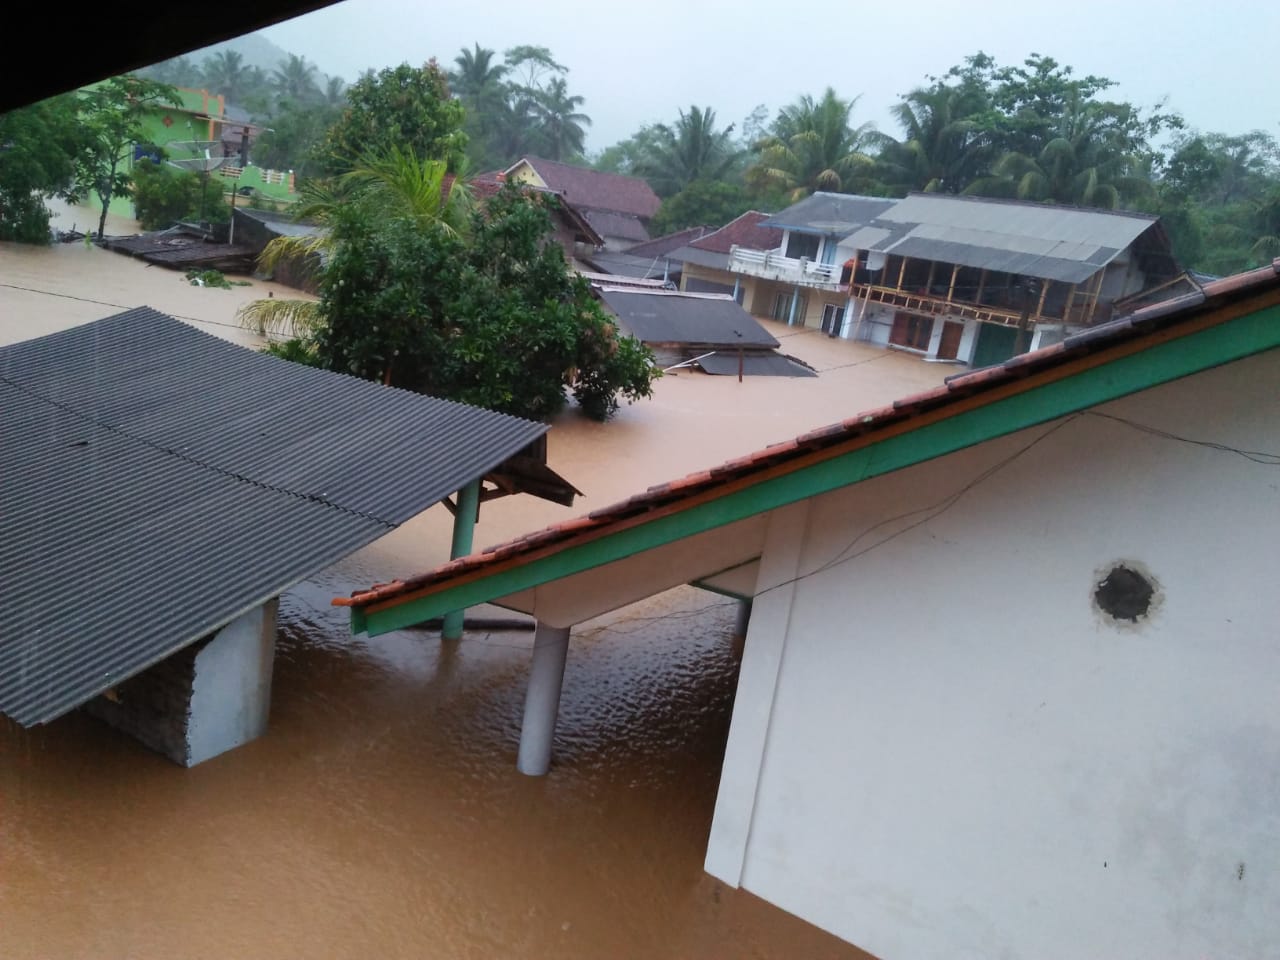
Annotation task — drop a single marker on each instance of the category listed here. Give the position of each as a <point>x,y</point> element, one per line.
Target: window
<point>911,331</point>
<point>802,245</point>
<point>782,308</point>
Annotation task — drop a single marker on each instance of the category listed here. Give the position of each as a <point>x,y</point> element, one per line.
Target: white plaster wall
<point>961,758</point>
<point>231,695</point>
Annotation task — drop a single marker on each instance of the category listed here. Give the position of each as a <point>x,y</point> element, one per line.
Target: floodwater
<point>382,815</point>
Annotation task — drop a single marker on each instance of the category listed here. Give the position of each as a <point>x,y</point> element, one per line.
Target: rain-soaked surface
<point>382,814</point>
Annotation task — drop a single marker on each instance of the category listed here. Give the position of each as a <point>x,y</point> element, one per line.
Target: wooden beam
<point>902,272</point>
<point>1044,292</point>
<point>955,272</point>
<point>982,280</point>
<point>928,285</point>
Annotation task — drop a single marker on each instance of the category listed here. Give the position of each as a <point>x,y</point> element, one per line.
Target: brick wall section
<point>154,707</point>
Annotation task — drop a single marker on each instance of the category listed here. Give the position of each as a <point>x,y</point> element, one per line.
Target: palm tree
<point>942,149</point>
<point>814,146</point>
<point>559,123</point>
<point>334,94</point>
<point>294,79</point>
<point>690,150</point>
<point>1080,165</point>
<point>395,185</point>
<point>478,81</point>
<point>225,73</point>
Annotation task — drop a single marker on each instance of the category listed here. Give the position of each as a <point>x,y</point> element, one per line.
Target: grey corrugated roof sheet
<point>755,364</point>
<point>156,482</point>
<point>282,223</point>
<point>1032,239</point>
<point>702,258</point>
<point>836,214</point>
<point>704,321</point>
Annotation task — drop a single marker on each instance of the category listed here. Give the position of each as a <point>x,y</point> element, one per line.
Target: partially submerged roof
<point>757,363</point>
<point>282,224</point>
<point>830,214</point>
<point>712,249</point>
<point>701,320</point>
<point>157,482</point>
<point>1228,320</point>
<point>1043,240</point>
<point>594,189</point>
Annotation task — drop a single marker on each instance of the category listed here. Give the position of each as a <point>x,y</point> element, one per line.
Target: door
<point>911,331</point>
<point>995,344</point>
<point>832,319</point>
<point>949,344</point>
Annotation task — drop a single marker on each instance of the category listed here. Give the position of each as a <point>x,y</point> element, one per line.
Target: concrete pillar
<point>744,618</point>
<point>205,699</point>
<point>795,300</point>
<point>542,702</point>
<point>464,528</point>
<point>737,288</point>
<point>844,320</point>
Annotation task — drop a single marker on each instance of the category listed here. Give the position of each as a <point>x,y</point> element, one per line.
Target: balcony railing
<point>1077,314</point>
<point>774,265</point>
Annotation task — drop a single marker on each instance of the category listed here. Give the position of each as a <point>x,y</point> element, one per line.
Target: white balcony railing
<point>774,265</point>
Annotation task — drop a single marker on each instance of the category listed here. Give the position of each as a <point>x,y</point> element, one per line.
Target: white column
<point>542,702</point>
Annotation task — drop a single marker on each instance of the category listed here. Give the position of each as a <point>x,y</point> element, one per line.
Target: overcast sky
<point>1217,63</point>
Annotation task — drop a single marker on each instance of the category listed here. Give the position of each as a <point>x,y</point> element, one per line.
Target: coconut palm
<point>334,94</point>
<point>814,146</point>
<point>225,73</point>
<point>478,81</point>
<point>691,149</point>
<point>1080,165</point>
<point>394,185</point>
<point>295,79</point>
<point>560,126</point>
<point>942,149</point>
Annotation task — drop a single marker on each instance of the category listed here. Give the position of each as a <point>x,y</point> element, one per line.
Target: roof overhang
<point>1096,367</point>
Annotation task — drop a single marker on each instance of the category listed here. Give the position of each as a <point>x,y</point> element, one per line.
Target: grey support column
<point>464,528</point>
<point>542,702</point>
<point>744,618</point>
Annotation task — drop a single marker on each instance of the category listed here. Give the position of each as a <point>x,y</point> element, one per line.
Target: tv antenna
<point>197,156</point>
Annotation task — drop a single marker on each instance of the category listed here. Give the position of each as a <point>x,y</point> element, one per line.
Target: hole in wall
<point>1125,593</point>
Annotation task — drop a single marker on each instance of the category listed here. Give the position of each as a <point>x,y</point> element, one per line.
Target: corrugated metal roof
<point>756,364</point>
<point>659,317</point>
<point>1032,239</point>
<point>836,214</point>
<point>156,482</point>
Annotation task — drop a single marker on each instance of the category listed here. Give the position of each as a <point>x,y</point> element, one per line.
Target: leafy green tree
<point>711,203</point>
<point>38,148</point>
<point>334,94</point>
<point>405,107</point>
<point>813,145</point>
<point>627,156</point>
<point>690,150</point>
<point>494,318</point>
<point>163,196</point>
<point>293,139</point>
<point>111,116</point>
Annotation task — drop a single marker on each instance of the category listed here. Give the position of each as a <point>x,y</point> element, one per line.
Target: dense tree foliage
<point>38,149</point>
<point>404,107</point>
<point>163,195</point>
<point>110,119</point>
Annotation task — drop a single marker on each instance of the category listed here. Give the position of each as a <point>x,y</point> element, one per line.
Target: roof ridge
<point>170,451</point>
<point>1031,204</point>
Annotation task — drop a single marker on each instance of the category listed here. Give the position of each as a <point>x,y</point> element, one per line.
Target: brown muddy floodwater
<point>382,814</point>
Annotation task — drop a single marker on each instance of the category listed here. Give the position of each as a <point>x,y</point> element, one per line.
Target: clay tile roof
<point>745,231</point>
<point>594,189</point>
<point>756,466</point>
<point>665,244</point>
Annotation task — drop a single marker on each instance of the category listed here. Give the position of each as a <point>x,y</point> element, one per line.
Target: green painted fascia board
<point>1233,340</point>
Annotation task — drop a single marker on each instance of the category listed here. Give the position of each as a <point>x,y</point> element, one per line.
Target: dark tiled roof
<point>620,225</point>
<point>658,316</point>
<point>951,397</point>
<point>156,482</point>
<point>659,246</point>
<point>760,363</point>
<point>745,231</point>
<point>596,190</point>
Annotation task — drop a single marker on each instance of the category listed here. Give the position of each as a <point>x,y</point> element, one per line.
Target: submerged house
<point>962,279</point>
<point>710,331</point>
<point>618,207</point>
<point>704,262</point>
<point>994,701</point>
<point>176,484</point>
